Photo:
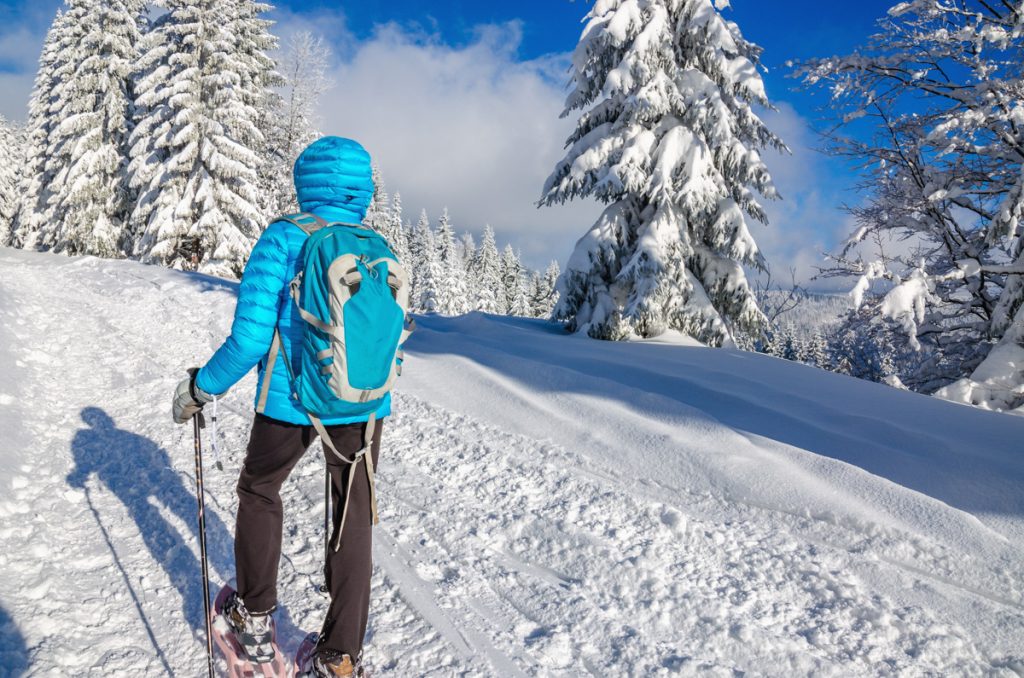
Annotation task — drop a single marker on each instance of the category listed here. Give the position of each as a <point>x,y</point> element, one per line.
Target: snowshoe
<point>246,641</point>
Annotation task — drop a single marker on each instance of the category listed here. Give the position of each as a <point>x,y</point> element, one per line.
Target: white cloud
<point>467,127</point>
<point>808,220</point>
<point>15,89</point>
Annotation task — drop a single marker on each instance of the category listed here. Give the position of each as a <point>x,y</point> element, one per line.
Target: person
<point>333,180</point>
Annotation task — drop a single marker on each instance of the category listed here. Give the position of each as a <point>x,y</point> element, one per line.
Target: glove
<point>188,398</point>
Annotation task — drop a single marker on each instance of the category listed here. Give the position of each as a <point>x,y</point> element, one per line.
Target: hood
<point>334,180</point>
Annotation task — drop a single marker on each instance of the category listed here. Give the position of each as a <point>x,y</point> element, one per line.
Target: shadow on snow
<point>13,653</point>
<point>959,455</point>
<point>140,474</point>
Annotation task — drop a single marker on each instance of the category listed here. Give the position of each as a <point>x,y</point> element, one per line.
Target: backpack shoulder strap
<point>309,223</point>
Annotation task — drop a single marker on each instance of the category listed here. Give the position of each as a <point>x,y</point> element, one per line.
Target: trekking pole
<point>197,424</point>
<point>327,521</point>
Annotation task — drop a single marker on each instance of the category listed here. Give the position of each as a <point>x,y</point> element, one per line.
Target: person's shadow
<point>13,654</point>
<point>139,473</point>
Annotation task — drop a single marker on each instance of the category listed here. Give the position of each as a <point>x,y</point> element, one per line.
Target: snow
<point>551,505</point>
<point>906,302</point>
<point>996,383</point>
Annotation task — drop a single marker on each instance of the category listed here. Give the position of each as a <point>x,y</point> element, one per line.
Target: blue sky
<point>459,101</point>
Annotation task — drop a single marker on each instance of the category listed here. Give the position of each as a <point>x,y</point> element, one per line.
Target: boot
<point>254,632</point>
<point>333,664</point>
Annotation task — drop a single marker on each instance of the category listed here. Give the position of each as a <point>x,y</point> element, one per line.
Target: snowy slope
<point>550,505</point>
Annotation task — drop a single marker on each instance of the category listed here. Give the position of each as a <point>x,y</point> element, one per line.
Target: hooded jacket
<point>333,180</point>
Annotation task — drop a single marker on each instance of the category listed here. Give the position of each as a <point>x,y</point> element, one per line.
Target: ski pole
<point>197,424</point>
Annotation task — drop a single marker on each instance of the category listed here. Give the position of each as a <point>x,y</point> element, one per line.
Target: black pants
<point>274,449</point>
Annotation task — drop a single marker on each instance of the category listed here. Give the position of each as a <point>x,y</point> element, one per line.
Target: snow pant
<point>274,449</point>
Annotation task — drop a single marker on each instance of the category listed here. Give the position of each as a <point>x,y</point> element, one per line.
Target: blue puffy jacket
<point>333,180</point>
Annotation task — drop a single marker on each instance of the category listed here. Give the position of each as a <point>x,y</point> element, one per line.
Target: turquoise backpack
<point>353,295</point>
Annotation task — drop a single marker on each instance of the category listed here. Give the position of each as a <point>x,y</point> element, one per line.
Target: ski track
<point>498,553</point>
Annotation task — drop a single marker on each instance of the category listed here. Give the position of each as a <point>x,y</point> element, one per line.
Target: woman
<point>333,180</point>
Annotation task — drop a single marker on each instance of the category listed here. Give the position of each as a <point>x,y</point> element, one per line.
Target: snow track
<point>549,506</point>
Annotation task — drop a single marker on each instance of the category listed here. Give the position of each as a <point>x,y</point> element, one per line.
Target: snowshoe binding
<point>246,640</point>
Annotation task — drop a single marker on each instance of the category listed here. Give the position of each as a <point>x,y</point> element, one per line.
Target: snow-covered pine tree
<point>12,158</point>
<point>295,117</point>
<point>513,283</point>
<point>259,91</point>
<point>941,83</point>
<point>790,343</point>
<point>546,295</point>
<point>430,277</point>
<point>90,202</point>
<point>467,255</point>
<point>467,250</point>
<point>32,221</point>
<point>452,292</point>
<point>535,293</point>
<point>195,158</point>
<point>669,140</point>
<point>378,215</point>
<point>393,228</point>
<point>486,272</point>
<point>425,265</point>
<point>818,352</point>
<point>58,109</point>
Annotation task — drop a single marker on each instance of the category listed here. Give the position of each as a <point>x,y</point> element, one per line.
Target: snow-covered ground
<point>550,505</point>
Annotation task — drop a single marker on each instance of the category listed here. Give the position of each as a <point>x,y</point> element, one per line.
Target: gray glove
<point>188,398</point>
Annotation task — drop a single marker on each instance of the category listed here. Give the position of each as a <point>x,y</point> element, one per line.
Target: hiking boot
<point>254,632</point>
<point>333,664</point>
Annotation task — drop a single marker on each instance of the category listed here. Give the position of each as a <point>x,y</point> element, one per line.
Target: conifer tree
<point>513,301</point>
<point>32,220</point>
<point>669,140</point>
<point>818,354</point>
<point>467,255</point>
<point>790,344</point>
<point>424,265</point>
<point>195,150</point>
<point>467,250</point>
<point>90,201</point>
<point>535,293</point>
<point>12,153</point>
<point>429,273</point>
<point>398,234</point>
<point>544,293</point>
<point>55,159</point>
<point>452,294</point>
<point>378,215</point>
<point>487,274</point>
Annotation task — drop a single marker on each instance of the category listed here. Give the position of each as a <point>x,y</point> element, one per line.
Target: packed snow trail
<point>551,506</point>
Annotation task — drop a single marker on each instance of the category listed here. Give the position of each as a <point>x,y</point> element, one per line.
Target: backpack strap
<point>365,454</point>
<point>268,371</point>
<point>309,223</point>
